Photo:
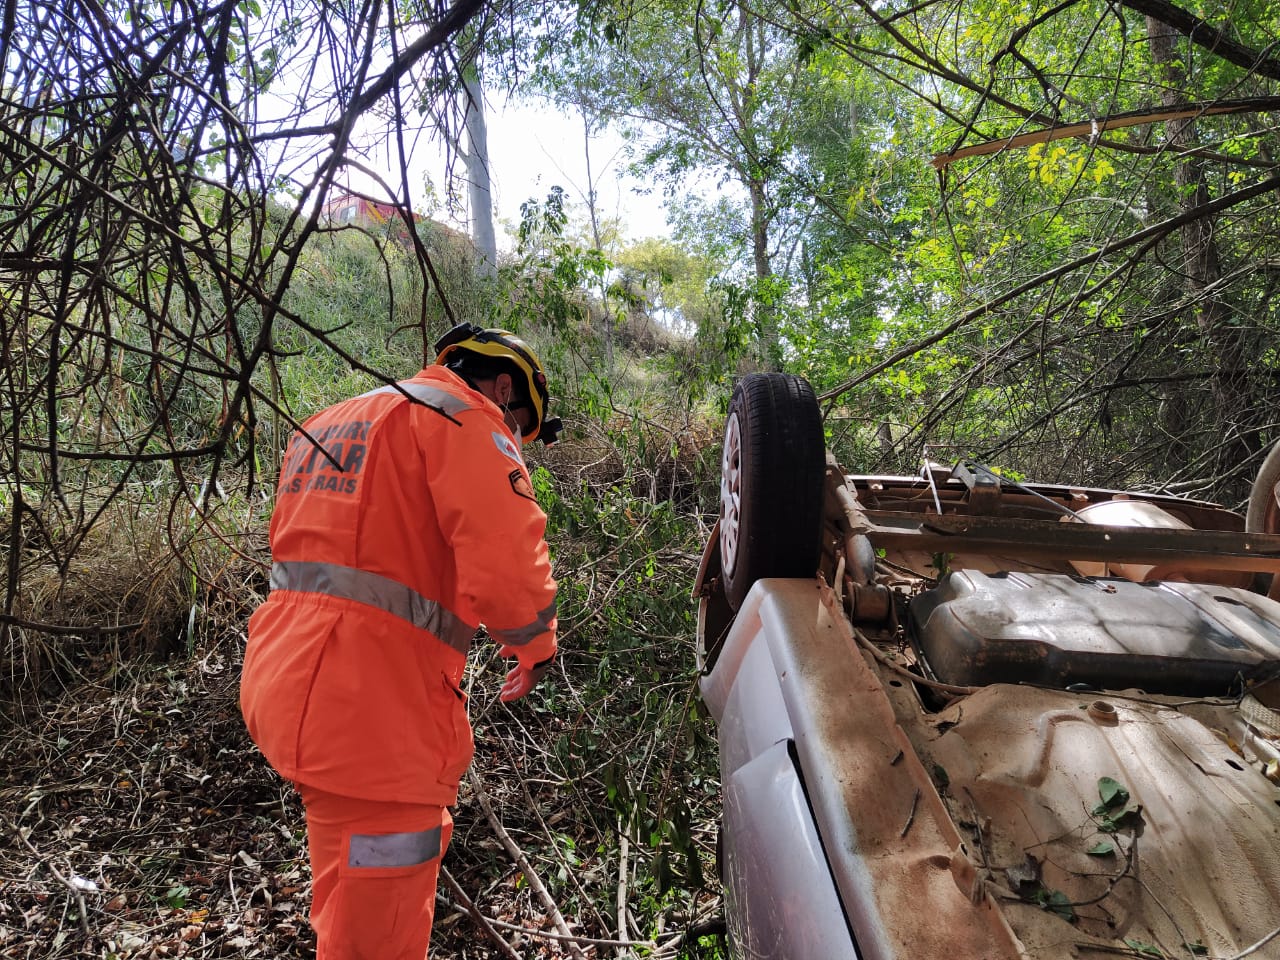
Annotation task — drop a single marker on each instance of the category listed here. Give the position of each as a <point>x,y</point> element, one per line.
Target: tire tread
<point>783,454</point>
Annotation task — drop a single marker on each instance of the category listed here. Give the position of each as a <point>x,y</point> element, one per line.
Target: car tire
<point>1263,514</point>
<point>771,483</point>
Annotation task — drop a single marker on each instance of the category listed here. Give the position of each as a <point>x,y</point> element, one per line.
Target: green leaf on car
<point>1125,818</point>
<point>1059,903</point>
<point>941,778</point>
<point>1113,793</point>
<point>1142,947</point>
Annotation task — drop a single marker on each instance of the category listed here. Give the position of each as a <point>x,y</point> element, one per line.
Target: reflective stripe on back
<point>335,580</point>
<point>432,396</point>
<point>393,849</point>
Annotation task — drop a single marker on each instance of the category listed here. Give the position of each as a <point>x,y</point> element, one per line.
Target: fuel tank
<point>1110,633</point>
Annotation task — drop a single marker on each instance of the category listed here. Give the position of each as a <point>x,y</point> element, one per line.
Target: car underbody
<point>997,720</point>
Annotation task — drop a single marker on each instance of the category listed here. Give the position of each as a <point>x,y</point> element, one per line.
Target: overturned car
<point>963,717</point>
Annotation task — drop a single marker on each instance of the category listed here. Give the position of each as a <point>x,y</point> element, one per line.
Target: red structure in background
<point>349,208</point>
<point>353,210</point>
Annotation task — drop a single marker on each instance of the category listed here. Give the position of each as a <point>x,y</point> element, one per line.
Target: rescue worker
<point>404,518</point>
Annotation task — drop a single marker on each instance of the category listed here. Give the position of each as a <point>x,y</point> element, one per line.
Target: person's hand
<point>521,679</point>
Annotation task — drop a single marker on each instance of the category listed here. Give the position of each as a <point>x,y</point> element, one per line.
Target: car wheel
<point>1263,515</point>
<point>771,483</point>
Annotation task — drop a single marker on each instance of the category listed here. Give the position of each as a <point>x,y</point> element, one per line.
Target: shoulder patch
<point>521,485</point>
<point>508,447</point>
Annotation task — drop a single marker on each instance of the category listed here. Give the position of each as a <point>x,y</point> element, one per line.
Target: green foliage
<point>1113,793</point>
<point>1113,813</point>
<point>1059,903</point>
<point>623,493</point>
<point>1142,948</point>
<point>176,896</point>
<point>552,273</point>
<point>823,120</point>
<point>633,628</point>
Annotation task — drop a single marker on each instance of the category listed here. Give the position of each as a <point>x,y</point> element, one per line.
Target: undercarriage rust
<point>1047,736</point>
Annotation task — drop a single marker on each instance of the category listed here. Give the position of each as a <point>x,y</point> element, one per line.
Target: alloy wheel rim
<point>730,495</point>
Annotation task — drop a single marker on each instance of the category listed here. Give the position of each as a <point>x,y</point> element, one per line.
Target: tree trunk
<point>479,192</point>
<point>757,189</point>
<point>766,314</point>
<point>1201,270</point>
<point>606,326</point>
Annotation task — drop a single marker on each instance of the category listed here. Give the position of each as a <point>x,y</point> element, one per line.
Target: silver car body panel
<point>1009,731</point>
<point>890,845</point>
<point>797,913</point>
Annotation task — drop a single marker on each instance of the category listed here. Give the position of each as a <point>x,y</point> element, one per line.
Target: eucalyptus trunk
<point>479,187</point>
<point>766,313</point>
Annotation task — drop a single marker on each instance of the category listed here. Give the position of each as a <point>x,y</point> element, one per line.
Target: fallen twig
<point>573,938</point>
<point>481,920</point>
<point>911,818</point>
<point>902,671</point>
<point>1257,946</point>
<point>76,891</point>
<point>535,882</point>
<point>624,850</point>
<point>714,927</point>
<point>571,874</point>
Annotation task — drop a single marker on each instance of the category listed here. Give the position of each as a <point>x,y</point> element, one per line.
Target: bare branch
<point>1091,129</point>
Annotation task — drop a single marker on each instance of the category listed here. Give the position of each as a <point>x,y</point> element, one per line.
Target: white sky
<point>531,150</point>
<point>534,149</point>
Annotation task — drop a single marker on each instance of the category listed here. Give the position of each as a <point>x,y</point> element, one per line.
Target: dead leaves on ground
<point>142,824</point>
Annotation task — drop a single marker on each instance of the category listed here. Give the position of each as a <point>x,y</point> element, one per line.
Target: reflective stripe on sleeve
<point>395,598</point>
<point>519,636</point>
<point>393,849</point>
<point>432,396</point>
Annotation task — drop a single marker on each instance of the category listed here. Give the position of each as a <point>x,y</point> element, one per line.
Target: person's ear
<point>503,387</point>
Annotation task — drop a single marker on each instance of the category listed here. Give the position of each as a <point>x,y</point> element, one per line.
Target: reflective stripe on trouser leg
<point>374,869</point>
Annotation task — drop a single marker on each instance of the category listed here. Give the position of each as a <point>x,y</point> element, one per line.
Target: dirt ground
<point>140,822</point>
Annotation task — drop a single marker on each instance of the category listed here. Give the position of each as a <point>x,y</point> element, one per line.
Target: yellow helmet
<point>505,345</point>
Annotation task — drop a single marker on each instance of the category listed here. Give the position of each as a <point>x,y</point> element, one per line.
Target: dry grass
<point>143,583</point>
<point>143,823</point>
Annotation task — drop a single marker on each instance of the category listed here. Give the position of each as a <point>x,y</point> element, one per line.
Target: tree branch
<point>517,855</point>
<point>1203,34</point>
<point>1150,234</point>
<point>1092,128</point>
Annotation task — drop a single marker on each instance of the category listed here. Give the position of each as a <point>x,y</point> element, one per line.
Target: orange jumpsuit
<point>398,528</point>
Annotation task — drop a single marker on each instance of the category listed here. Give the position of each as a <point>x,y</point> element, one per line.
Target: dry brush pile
<point>142,822</point>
